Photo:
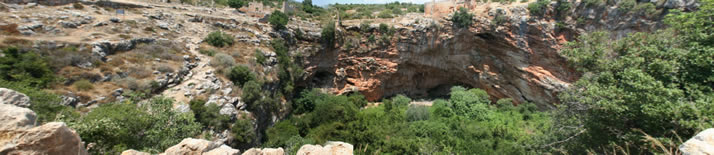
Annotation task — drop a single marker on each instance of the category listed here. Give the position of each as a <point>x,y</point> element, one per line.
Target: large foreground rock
<point>15,118</point>
<point>53,138</point>
<point>331,148</point>
<point>19,136</point>
<point>701,144</point>
<point>8,96</point>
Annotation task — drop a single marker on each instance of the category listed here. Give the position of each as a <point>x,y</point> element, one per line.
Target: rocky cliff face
<point>507,52</point>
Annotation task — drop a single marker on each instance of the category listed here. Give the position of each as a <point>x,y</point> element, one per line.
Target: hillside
<point>276,77</point>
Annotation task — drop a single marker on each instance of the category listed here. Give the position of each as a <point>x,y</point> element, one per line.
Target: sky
<point>325,2</point>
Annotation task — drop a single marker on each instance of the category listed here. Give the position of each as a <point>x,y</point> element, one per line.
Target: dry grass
<point>9,29</point>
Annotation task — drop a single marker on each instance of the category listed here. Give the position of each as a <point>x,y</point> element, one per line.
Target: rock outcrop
<point>17,135</point>
<point>264,151</point>
<point>191,146</point>
<point>506,52</point>
<point>331,148</point>
<point>8,96</point>
<point>43,2</point>
<point>700,144</point>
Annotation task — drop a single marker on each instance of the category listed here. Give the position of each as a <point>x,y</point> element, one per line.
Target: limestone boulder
<point>192,146</point>
<point>52,138</point>
<point>134,152</point>
<point>331,148</point>
<point>700,144</point>
<point>15,118</point>
<point>9,96</point>
<point>264,151</point>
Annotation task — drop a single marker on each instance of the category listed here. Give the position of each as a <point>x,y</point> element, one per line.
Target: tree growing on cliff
<point>328,34</point>
<point>462,18</point>
<point>278,19</point>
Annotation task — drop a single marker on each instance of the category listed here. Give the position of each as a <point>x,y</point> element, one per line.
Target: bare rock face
<point>8,96</point>
<point>52,138</point>
<point>515,57</point>
<point>331,148</point>
<point>43,2</point>
<point>701,144</point>
<point>264,151</point>
<point>15,118</point>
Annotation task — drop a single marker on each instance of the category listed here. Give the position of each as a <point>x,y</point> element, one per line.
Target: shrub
<point>364,27</point>
<point>563,7</point>
<point>383,28</point>
<point>236,3</point>
<point>251,92</point>
<point>207,52</point>
<point>165,68</point>
<point>153,127</point>
<point>222,60</point>
<point>417,113</point>
<point>278,19</point>
<point>25,67</point>
<point>625,6</point>
<point>77,6</point>
<point>243,132</point>
<point>240,75</point>
<point>259,57</point>
<point>648,9</point>
<point>593,3</point>
<point>44,104</point>
<point>219,39</point>
<point>307,6</point>
<point>372,38</point>
<point>385,14</point>
<point>83,85</point>
<point>462,18</point>
<point>208,115</point>
<point>328,34</point>
<point>539,7</point>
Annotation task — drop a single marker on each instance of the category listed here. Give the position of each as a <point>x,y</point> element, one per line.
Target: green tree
<point>208,115</point>
<point>26,67</point>
<point>328,34</point>
<point>307,6</point>
<point>240,75</point>
<point>538,8</point>
<point>219,39</point>
<point>251,92</point>
<point>278,19</point>
<point>237,3</point>
<point>462,18</point>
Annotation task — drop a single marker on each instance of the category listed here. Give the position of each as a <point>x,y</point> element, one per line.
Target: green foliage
<point>259,57</point>
<point>241,74</point>
<point>251,92</point>
<point>539,7</point>
<point>278,20</point>
<point>562,8</point>
<point>594,3</point>
<point>328,34</point>
<point>383,28</point>
<point>417,113</point>
<point>411,129</point>
<point>243,132</point>
<point>152,127</point>
<point>462,18</point>
<point>219,39</point>
<point>236,3</point>
<point>207,52</point>
<point>83,85</point>
<point>626,5</point>
<point>208,115</point>
<point>654,83</point>
<point>307,6</point>
<point>25,67</point>
<point>365,27</point>
<point>385,14</point>
<point>647,9</point>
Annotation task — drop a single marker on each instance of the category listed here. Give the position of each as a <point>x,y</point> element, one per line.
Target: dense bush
<point>647,9</point>
<point>243,132</point>
<point>26,67</point>
<point>626,5</point>
<point>462,18</point>
<point>236,3</point>
<point>251,92</point>
<point>241,74</point>
<point>657,84</point>
<point>219,39</point>
<point>394,127</point>
<point>539,7</point>
<point>328,34</point>
<point>152,127</point>
<point>83,85</point>
<point>259,57</point>
<point>208,115</point>
<point>222,60</point>
<point>307,6</point>
<point>207,52</point>
<point>278,20</point>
